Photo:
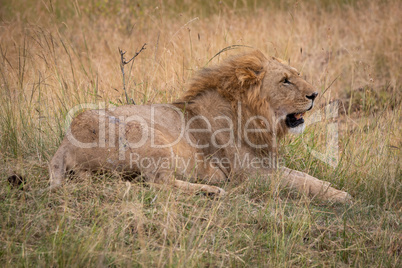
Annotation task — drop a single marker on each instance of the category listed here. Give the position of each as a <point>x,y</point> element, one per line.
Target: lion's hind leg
<point>61,162</point>
<point>57,169</point>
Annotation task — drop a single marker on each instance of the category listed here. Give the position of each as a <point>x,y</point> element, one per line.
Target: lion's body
<point>232,114</point>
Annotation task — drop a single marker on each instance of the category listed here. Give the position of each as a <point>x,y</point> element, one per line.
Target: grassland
<point>55,55</point>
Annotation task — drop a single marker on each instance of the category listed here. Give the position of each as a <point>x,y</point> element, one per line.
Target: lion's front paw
<point>212,190</point>
<point>348,198</point>
<point>218,191</point>
<point>341,197</point>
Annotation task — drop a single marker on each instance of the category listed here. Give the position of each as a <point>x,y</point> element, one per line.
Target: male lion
<point>227,123</point>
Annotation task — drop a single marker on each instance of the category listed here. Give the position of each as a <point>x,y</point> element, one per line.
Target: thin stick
<point>226,49</point>
<point>124,62</point>
<point>330,85</point>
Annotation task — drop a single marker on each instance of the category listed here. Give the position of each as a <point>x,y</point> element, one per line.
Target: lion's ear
<point>248,76</point>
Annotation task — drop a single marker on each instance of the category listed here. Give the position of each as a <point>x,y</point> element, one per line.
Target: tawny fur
<point>202,133</point>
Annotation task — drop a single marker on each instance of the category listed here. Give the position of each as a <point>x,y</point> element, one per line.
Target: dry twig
<point>124,62</point>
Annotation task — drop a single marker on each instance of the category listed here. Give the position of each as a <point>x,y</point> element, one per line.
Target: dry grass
<point>57,54</point>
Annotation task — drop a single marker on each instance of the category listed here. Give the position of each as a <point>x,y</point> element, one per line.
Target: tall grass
<point>55,55</point>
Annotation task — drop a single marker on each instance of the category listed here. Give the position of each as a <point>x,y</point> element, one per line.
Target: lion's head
<point>267,87</point>
<point>289,95</point>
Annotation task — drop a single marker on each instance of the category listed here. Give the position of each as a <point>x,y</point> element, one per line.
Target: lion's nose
<point>312,96</point>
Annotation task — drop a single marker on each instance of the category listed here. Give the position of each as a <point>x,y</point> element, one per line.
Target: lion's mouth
<point>294,120</point>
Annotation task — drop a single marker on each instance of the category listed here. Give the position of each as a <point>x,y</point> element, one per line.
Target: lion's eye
<point>286,81</point>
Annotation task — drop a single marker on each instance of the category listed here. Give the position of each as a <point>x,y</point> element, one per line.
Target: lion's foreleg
<point>167,177</point>
<point>195,187</point>
<point>311,186</point>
